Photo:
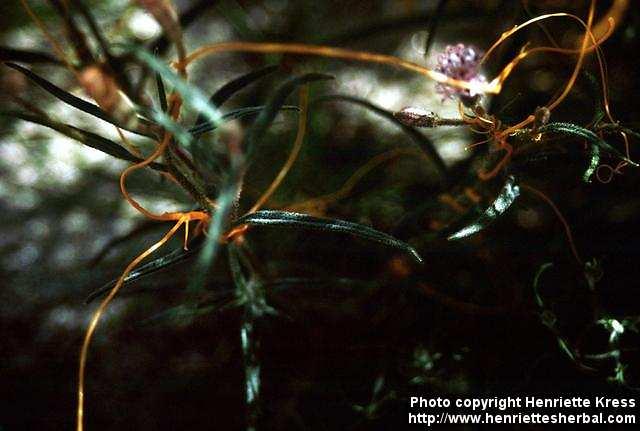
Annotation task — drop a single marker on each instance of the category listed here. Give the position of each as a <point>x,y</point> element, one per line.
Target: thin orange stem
<point>616,11</point>
<point>587,36</point>
<point>555,209</point>
<point>341,53</point>
<point>52,40</point>
<point>62,56</point>
<point>100,311</point>
<point>194,215</point>
<point>484,176</point>
<point>128,144</point>
<point>297,145</point>
<point>581,56</point>
<point>348,186</point>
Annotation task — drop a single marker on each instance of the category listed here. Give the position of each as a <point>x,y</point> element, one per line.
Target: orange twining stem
<point>169,216</point>
<point>506,71</point>
<point>587,36</point>
<point>180,218</point>
<point>354,179</point>
<point>594,46</point>
<point>555,209</point>
<point>472,120</point>
<point>103,306</point>
<point>616,11</point>
<point>62,56</point>
<point>297,145</point>
<point>341,53</point>
<point>235,232</point>
<point>52,40</point>
<point>193,215</point>
<point>484,176</point>
<point>504,36</point>
<point>582,51</point>
<point>476,144</point>
<point>128,145</point>
<point>581,56</point>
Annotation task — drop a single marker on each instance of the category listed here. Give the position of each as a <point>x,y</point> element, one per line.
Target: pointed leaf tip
<point>507,196</point>
<point>304,221</point>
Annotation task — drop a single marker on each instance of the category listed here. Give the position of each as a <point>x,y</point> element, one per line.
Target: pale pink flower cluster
<point>462,63</point>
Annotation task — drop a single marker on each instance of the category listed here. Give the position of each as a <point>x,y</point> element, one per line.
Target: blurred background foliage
<point>504,311</point>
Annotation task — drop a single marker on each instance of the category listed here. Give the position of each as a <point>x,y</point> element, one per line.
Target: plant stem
<point>188,178</point>
<point>250,345</point>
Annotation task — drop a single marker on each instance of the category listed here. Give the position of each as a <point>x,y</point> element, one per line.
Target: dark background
<point>348,352</point>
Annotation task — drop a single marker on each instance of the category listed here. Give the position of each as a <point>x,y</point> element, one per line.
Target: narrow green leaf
<point>229,89</point>
<point>421,140</point>
<point>191,96</point>
<point>507,196</point>
<point>536,283</point>
<point>580,132</point>
<point>164,119</point>
<point>235,115</point>
<point>617,128</point>
<point>211,245</point>
<point>87,138</point>
<point>268,114</point>
<point>115,64</point>
<point>594,161</point>
<point>564,346</point>
<point>155,265</point>
<point>162,94</point>
<point>249,289</point>
<point>304,221</point>
<point>26,56</point>
<point>238,277</point>
<point>70,99</point>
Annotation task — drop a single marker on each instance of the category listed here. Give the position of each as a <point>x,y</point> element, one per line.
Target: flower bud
<point>416,117</point>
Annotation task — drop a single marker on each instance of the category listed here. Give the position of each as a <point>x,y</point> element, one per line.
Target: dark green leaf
<point>547,316</point>
<point>216,228</point>
<point>69,98</point>
<point>232,87</point>
<point>268,114</point>
<point>536,283</point>
<point>155,265</point>
<point>421,140</point>
<point>304,221</point>
<point>26,56</point>
<point>235,115</point>
<point>179,133</point>
<point>580,132</point>
<point>237,275</point>
<point>162,94</point>
<point>594,161</point>
<point>141,228</point>
<point>89,139</point>
<point>249,289</point>
<point>507,196</point>
<point>564,346</point>
<point>617,128</point>
<point>191,96</point>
